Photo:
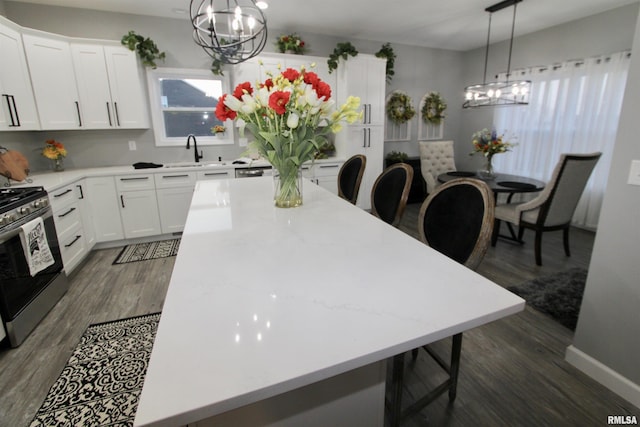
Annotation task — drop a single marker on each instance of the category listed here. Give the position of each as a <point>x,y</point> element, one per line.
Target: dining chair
<point>456,220</point>
<point>436,157</point>
<point>554,207</point>
<point>390,193</point>
<point>350,177</point>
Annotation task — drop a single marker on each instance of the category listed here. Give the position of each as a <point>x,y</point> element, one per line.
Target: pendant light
<point>230,31</point>
<point>509,92</point>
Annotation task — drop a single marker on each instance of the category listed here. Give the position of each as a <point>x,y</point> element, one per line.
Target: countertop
<point>54,180</point>
<point>264,300</point>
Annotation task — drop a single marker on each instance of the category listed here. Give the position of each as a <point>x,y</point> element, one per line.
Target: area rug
<point>101,383</point>
<point>146,251</point>
<point>559,294</point>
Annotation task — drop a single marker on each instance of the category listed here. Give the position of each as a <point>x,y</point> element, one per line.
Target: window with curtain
<point>574,108</point>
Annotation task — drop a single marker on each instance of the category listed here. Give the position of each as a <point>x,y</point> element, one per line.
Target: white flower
<point>233,103</point>
<point>292,120</point>
<point>249,104</point>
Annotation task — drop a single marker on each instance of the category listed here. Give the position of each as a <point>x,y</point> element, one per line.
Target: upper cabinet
<point>109,87</point>
<point>17,105</point>
<point>364,76</point>
<point>54,82</point>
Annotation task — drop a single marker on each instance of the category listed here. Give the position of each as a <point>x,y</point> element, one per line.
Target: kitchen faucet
<point>196,156</point>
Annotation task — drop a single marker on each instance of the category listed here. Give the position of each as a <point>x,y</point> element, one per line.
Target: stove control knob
<point>7,219</point>
<point>25,210</point>
<point>42,203</point>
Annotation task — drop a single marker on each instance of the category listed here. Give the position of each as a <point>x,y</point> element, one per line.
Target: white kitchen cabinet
<point>324,174</point>
<point>67,217</point>
<point>109,87</point>
<point>364,76</point>
<point>174,191</point>
<point>85,212</point>
<point>102,199</point>
<point>138,205</point>
<point>18,107</point>
<point>53,80</point>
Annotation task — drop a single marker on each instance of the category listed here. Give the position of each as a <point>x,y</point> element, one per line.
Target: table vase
<point>487,172</point>
<point>287,185</point>
<point>57,164</point>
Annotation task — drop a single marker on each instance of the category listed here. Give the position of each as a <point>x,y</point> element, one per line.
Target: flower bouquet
<point>218,130</point>
<point>290,42</point>
<point>55,151</point>
<point>489,143</point>
<point>290,116</point>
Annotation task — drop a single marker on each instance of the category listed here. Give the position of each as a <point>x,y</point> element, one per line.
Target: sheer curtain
<point>574,107</point>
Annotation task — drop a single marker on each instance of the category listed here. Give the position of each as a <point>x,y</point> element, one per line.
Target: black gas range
<point>27,295</point>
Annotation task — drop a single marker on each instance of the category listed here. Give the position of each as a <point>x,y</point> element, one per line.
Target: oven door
<point>17,287</point>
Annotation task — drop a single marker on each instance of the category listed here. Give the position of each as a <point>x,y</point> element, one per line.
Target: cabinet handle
<point>115,107</point>
<point>368,137</point>
<point>73,242</point>
<point>66,213</point>
<point>364,138</point>
<point>174,176</point>
<point>139,178</point>
<point>109,115</point>
<point>68,190</point>
<point>81,192</point>
<point>122,200</point>
<point>15,121</point>
<point>328,166</point>
<point>215,173</point>
<point>78,111</point>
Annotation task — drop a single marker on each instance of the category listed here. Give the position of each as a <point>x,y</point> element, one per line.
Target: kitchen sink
<point>194,164</point>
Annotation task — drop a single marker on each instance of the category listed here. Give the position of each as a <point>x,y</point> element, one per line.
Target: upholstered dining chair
<point>554,207</point>
<point>390,193</point>
<point>456,220</point>
<point>350,177</point>
<point>436,157</point>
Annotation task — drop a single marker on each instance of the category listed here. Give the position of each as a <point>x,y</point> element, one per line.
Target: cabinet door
<point>54,82</point>
<point>127,95</point>
<point>364,77</point>
<point>139,213</point>
<point>93,86</point>
<point>173,205</point>
<point>18,107</point>
<point>103,206</point>
<point>85,212</point>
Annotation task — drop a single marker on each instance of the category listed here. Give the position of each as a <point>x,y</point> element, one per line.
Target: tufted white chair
<point>436,157</point>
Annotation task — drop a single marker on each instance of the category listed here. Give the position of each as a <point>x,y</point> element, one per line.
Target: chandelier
<point>230,31</point>
<point>507,92</point>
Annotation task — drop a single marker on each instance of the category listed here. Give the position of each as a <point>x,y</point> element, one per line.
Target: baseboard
<point>604,375</point>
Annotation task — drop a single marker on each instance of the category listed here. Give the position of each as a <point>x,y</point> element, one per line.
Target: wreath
<point>399,109</point>
<point>433,108</point>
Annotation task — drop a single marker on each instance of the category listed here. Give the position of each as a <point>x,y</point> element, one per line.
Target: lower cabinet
<point>138,205</point>
<point>174,192</point>
<point>324,174</point>
<point>102,199</point>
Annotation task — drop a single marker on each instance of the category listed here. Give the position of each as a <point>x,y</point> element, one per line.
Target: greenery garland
<point>146,48</point>
<point>433,108</point>
<point>342,50</point>
<point>399,109</point>
<point>387,52</point>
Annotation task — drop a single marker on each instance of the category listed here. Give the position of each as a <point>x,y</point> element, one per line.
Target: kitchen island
<point>287,316</point>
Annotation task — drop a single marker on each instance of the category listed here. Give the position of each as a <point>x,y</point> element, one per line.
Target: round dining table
<point>502,183</point>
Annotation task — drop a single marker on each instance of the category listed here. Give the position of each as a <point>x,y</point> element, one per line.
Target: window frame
<point>155,105</point>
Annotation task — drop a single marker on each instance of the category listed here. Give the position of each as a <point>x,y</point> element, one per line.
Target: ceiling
<point>446,24</point>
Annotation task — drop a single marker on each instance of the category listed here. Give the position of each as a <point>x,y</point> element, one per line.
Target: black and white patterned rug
<point>558,294</point>
<point>102,380</point>
<point>150,250</point>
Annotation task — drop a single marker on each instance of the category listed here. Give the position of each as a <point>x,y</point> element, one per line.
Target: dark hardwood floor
<point>512,373</point>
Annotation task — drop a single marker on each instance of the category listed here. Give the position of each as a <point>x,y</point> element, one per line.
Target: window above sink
<point>183,102</point>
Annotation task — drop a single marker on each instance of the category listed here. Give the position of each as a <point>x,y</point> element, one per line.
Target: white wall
<point>607,339</point>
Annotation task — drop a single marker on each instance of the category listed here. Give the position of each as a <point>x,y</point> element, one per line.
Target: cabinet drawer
<point>175,179</point>
<point>135,182</point>
<point>326,169</point>
<point>67,218</point>
<point>62,196</point>
<point>217,174</point>
<point>73,249</point>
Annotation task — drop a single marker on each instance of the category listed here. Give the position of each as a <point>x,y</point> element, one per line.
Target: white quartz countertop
<point>265,300</point>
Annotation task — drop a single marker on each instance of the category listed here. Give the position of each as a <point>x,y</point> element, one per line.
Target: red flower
<point>241,89</point>
<point>278,101</point>
<point>323,90</point>
<point>311,78</point>
<point>301,43</point>
<point>290,74</point>
<point>223,112</point>
<point>267,83</point>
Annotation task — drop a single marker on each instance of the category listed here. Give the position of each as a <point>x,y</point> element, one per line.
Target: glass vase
<point>487,172</point>
<point>287,185</point>
<point>57,164</point>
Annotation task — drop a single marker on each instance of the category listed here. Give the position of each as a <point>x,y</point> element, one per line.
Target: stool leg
<point>396,391</point>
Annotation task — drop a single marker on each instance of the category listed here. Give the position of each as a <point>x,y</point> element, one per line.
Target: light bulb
<point>525,90</point>
<point>238,13</point>
<point>498,93</point>
<point>515,90</point>
<point>468,96</point>
<point>262,4</point>
<point>210,13</point>
<point>251,21</point>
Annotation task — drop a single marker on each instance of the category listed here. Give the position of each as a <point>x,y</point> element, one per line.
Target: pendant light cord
<point>486,53</point>
<point>513,26</point>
